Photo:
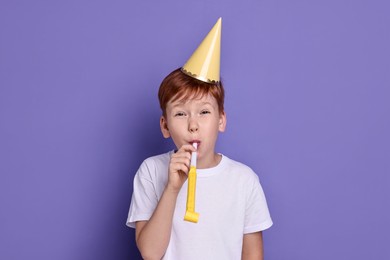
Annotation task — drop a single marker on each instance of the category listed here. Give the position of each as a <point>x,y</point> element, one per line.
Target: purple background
<point>308,107</point>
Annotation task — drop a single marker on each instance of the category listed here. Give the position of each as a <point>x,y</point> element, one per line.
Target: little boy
<point>229,198</point>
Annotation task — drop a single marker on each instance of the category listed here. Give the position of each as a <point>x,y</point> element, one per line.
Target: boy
<point>231,203</point>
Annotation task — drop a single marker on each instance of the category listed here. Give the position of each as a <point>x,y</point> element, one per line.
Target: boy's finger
<point>182,154</point>
<point>188,147</point>
<point>182,160</point>
<point>178,167</point>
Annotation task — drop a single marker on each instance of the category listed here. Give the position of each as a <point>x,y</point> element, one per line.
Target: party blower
<point>191,215</point>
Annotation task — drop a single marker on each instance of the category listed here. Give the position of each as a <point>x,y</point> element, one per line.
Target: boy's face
<point>194,120</point>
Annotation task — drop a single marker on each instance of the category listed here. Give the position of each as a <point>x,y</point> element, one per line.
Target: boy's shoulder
<point>154,162</point>
<point>150,168</point>
<point>243,169</point>
<point>159,158</point>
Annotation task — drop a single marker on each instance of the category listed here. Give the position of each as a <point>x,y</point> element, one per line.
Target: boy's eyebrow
<point>181,103</point>
<point>178,104</point>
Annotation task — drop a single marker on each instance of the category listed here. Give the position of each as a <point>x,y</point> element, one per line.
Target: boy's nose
<point>193,129</point>
<point>193,126</point>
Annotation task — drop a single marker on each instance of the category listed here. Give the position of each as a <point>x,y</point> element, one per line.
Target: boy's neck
<point>209,161</point>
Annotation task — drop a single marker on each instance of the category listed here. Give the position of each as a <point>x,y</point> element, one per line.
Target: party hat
<point>204,63</point>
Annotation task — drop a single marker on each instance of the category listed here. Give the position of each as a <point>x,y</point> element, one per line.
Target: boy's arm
<point>252,246</point>
<point>153,236</point>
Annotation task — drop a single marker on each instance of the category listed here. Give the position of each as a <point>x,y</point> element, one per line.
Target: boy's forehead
<point>203,99</point>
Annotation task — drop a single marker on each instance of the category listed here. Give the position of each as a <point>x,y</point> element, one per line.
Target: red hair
<point>180,86</point>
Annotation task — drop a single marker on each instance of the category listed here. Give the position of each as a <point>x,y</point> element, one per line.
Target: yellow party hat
<point>204,63</point>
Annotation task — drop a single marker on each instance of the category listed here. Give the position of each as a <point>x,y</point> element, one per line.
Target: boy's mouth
<point>195,141</point>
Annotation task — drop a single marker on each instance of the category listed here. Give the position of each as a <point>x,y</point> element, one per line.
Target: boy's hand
<point>179,167</point>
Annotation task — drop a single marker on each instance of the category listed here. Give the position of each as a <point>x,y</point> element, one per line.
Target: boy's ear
<point>222,122</point>
<point>164,127</point>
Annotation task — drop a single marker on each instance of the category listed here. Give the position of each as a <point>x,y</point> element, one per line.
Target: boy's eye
<point>180,114</point>
<point>203,112</point>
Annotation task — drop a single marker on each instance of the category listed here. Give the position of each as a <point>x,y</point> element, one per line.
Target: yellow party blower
<point>191,215</point>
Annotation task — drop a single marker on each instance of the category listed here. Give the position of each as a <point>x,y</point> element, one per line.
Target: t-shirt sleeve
<point>257,216</point>
<point>144,199</point>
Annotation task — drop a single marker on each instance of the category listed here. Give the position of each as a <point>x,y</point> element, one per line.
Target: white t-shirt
<point>229,199</point>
